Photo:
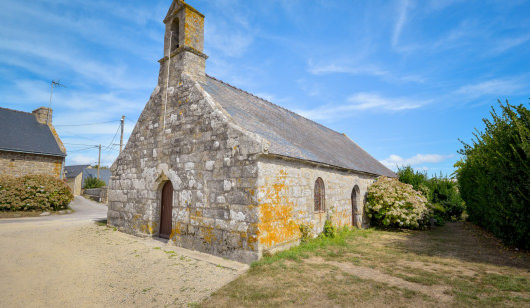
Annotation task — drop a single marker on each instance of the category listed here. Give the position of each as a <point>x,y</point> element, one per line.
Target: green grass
<point>101,223</point>
<point>452,261</point>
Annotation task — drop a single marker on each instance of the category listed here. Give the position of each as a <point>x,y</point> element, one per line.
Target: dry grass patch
<point>454,265</point>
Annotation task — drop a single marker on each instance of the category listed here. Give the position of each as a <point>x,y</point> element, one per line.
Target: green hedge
<point>494,175</point>
<point>33,192</point>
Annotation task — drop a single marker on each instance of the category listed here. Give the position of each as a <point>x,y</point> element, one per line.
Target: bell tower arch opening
<point>174,35</point>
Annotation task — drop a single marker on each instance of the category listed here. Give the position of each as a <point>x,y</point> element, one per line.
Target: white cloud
<point>395,160</point>
<point>345,67</point>
<point>436,5</point>
<point>362,102</point>
<point>227,41</point>
<point>402,19</point>
<point>81,159</point>
<point>348,69</point>
<point>497,87</point>
<point>509,43</point>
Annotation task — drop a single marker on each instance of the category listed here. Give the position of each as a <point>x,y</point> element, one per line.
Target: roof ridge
<point>15,110</point>
<point>290,111</point>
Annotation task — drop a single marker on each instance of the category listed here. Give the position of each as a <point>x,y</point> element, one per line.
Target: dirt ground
<point>457,265</point>
<point>80,264</point>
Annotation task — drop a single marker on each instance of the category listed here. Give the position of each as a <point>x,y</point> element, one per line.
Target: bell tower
<point>183,43</point>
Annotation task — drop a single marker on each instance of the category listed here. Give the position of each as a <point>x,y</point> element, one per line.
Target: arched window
<point>174,34</point>
<point>320,196</point>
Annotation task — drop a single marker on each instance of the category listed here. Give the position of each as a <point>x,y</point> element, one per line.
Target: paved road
<point>69,261</point>
<point>84,211</point>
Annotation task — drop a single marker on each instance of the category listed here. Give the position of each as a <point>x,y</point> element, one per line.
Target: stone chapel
<point>216,169</point>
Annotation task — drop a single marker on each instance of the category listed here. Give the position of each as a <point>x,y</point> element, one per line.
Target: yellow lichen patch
<point>193,28</point>
<point>148,228</point>
<point>57,169</point>
<point>276,214</point>
<point>176,230</point>
<point>208,235</point>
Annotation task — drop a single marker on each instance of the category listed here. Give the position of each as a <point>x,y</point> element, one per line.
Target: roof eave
<point>33,152</point>
<point>316,163</point>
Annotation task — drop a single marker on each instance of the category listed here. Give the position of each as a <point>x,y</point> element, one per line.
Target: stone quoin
<point>219,170</point>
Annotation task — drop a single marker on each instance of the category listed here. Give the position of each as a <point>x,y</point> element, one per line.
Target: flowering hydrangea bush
<point>33,192</point>
<point>392,203</point>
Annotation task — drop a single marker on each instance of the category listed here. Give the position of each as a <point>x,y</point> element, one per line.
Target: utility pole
<point>99,159</point>
<point>121,138</point>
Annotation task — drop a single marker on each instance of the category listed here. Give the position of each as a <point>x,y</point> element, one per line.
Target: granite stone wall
<point>211,164</point>
<point>286,199</point>
<point>230,198</point>
<point>20,164</point>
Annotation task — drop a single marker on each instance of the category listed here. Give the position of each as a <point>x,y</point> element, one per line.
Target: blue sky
<point>404,79</point>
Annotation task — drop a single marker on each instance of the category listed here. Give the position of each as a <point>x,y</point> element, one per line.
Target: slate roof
<point>73,171</point>
<point>20,132</point>
<point>290,134</point>
<point>104,175</point>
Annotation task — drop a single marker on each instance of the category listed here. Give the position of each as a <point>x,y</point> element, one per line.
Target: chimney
<point>43,115</point>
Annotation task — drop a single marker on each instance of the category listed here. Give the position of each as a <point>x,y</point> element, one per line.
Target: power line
<point>87,124</point>
<point>81,150</point>
<point>79,144</point>
<point>115,134</point>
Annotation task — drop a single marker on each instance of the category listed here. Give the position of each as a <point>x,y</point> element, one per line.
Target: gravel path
<point>69,261</point>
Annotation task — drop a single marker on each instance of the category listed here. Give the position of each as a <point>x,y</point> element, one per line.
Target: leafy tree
<point>494,175</point>
<point>441,192</point>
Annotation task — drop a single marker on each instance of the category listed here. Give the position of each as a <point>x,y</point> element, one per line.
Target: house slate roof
<point>290,134</point>
<point>104,174</point>
<point>20,132</point>
<point>73,171</point>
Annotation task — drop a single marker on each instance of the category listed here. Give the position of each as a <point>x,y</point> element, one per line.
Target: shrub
<point>441,192</point>
<point>33,192</point>
<point>329,229</point>
<point>392,203</point>
<point>92,182</point>
<point>494,175</point>
<point>306,232</point>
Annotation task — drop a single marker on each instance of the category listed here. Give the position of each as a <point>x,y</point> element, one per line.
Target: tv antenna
<point>54,84</point>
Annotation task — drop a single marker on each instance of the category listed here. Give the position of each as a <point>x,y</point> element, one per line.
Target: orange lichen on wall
<point>276,214</point>
<point>341,218</point>
<point>193,27</point>
<point>208,235</point>
<point>57,166</point>
<point>144,227</point>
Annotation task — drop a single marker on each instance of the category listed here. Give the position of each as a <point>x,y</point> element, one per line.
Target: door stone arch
<point>166,210</point>
<point>356,207</point>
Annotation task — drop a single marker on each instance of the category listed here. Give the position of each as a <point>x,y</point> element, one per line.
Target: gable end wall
<point>20,164</point>
<point>211,164</point>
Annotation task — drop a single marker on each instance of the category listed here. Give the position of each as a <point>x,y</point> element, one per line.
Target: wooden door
<point>167,209</point>
<point>353,206</point>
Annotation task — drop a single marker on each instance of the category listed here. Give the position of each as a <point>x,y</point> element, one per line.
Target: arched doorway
<point>320,198</point>
<point>166,210</point>
<point>357,219</point>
